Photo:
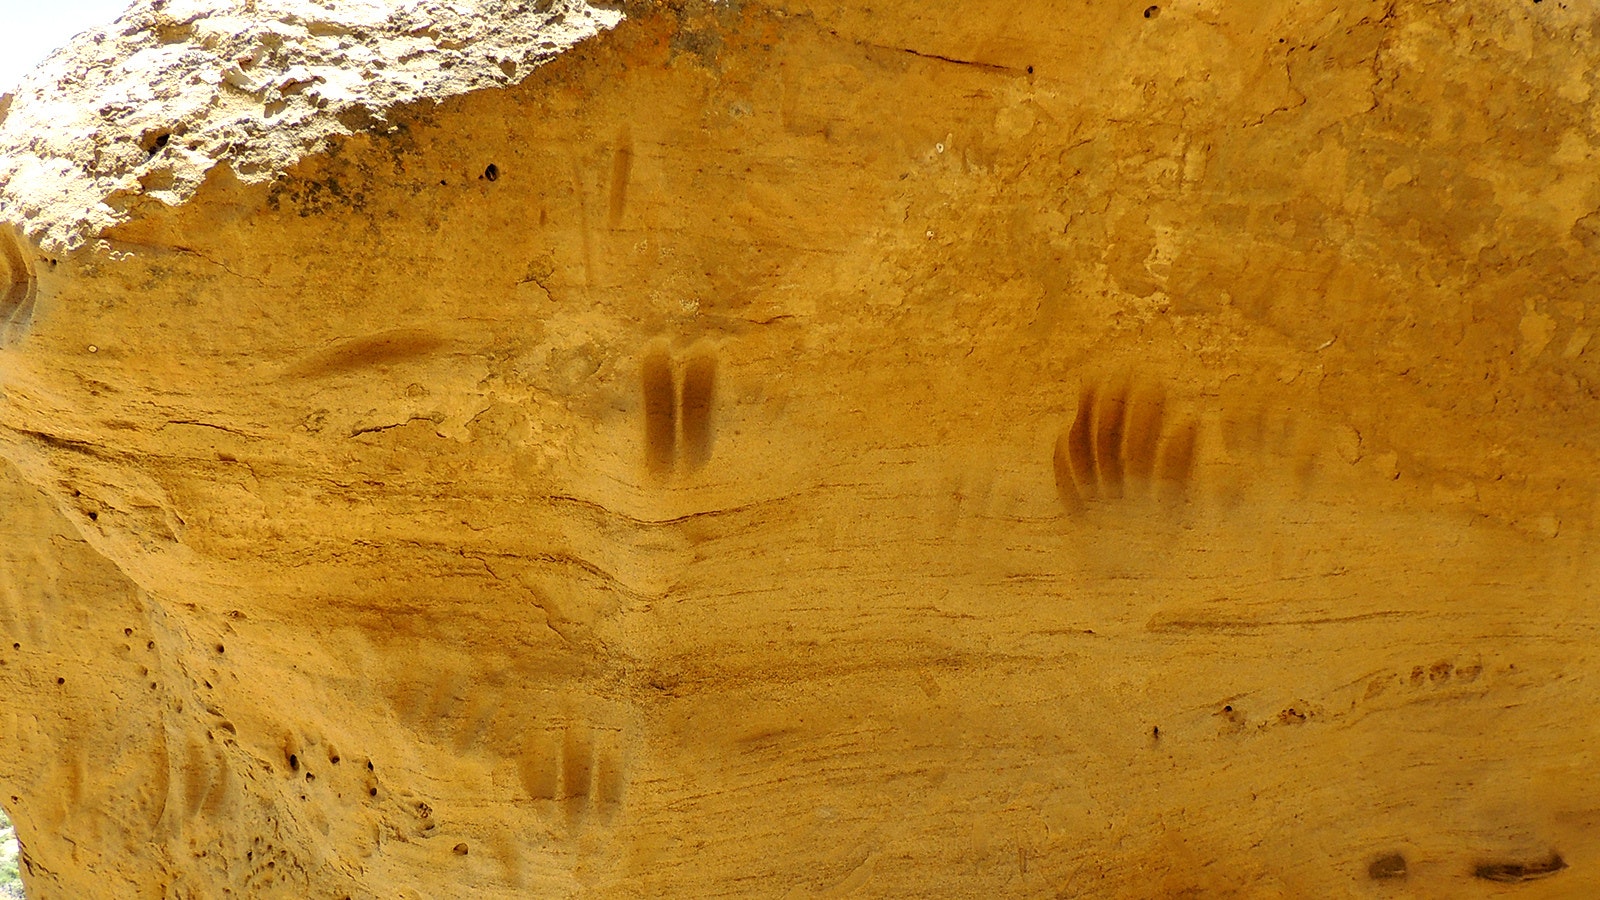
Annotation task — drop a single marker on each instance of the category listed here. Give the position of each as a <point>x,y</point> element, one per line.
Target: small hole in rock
<point>459,849</point>
<point>294,762</point>
<point>372,791</point>
<point>1227,709</point>
<point>221,648</point>
<point>492,172</point>
<point>94,516</point>
<point>1030,70</point>
<point>154,143</point>
<point>61,681</point>
<point>1150,12</point>
<point>128,632</point>
<point>16,646</point>
<point>369,765</point>
<point>334,760</point>
<point>310,777</point>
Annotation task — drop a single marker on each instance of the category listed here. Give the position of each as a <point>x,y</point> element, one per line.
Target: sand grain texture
<point>800,449</point>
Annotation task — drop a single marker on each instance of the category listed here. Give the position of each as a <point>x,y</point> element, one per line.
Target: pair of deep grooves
<point>677,426</point>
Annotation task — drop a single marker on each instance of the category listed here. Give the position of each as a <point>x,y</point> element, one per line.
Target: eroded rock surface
<point>805,449</point>
<point>145,108</point>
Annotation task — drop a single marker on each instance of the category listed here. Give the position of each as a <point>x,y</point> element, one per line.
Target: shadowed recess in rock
<point>17,290</point>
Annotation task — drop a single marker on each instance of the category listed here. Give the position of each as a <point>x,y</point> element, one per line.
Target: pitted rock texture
<point>144,108</point>
<point>818,449</point>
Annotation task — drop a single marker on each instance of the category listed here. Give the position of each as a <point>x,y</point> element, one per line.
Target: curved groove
<point>1062,463</point>
<point>1109,415</point>
<point>1080,449</point>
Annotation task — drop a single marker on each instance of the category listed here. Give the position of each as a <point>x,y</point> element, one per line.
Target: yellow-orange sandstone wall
<point>832,449</point>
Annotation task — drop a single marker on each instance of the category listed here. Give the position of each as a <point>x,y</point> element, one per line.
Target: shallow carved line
<point>621,173</point>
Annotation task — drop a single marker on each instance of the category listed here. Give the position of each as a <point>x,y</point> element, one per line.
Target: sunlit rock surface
<point>804,449</point>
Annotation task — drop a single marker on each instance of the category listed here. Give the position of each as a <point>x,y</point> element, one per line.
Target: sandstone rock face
<point>804,449</point>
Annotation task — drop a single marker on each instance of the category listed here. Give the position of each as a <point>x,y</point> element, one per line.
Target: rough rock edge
<point>146,106</point>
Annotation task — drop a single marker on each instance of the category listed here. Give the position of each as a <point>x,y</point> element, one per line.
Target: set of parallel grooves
<point>1123,441</point>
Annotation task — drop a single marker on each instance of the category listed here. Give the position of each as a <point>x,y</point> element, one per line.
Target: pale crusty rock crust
<point>146,106</point>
